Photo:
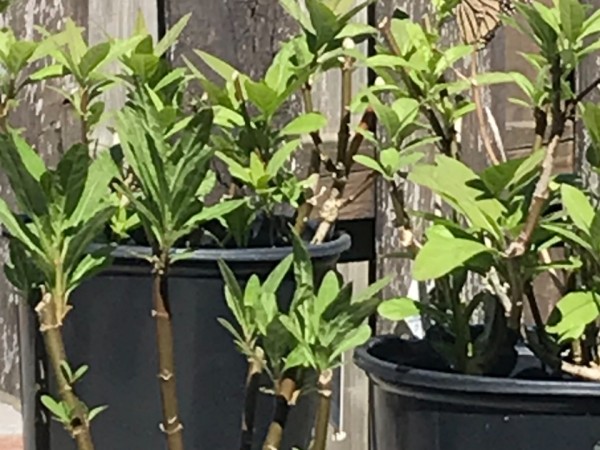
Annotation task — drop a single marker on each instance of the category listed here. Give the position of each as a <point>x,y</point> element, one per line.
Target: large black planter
<point>417,409</point>
<point>111,330</point>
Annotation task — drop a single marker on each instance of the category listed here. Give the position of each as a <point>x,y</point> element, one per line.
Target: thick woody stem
<point>50,326</point>
<point>322,420</point>
<point>252,388</point>
<point>286,388</point>
<point>541,194</point>
<point>171,426</point>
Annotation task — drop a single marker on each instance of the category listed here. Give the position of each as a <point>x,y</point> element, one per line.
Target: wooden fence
<point>247,33</point>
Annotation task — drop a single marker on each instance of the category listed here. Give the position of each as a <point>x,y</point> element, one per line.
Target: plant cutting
<point>255,147</point>
<point>496,228</point>
<point>59,210</point>
<point>299,347</point>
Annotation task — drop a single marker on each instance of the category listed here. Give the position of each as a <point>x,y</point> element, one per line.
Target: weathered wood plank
<point>353,432</point>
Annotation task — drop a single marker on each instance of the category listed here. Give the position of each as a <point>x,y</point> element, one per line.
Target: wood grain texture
<point>588,73</point>
<point>353,432</point>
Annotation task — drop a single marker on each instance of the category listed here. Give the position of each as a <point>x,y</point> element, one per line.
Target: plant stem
<point>522,243</point>
<point>485,136</point>
<point>171,425</point>
<point>286,388</point>
<point>252,387</point>
<point>324,387</point>
<point>516,294</point>
<point>306,208</point>
<point>50,327</point>
<point>330,210</point>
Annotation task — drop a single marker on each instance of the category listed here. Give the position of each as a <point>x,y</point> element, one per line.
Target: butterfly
<point>478,20</point>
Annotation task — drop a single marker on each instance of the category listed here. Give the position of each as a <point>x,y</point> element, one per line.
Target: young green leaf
<point>572,314</point>
<point>440,256</point>
<point>398,309</point>
<point>578,207</point>
<point>281,156</point>
<point>304,124</point>
<point>171,35</point>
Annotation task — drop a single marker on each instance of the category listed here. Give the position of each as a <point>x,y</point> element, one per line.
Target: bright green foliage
<point>573,313</point>
<point>319,327</point>
<point>493,206</point>
<point>61,212</point>
<point>169,171</point>
<point>565,33</point>
<point>253,140</point>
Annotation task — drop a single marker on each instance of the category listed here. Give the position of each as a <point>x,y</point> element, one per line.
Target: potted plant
<point>480,376</point>
<point>294,350</point>
<point>174,216</point>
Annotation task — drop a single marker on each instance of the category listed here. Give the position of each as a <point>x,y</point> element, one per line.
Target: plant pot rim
<point>399,378</point>
<point>334,247</point>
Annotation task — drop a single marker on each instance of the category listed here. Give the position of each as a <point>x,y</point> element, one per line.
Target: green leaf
<point>370,163</point>
<point>372,290</point>
<point>252,291</point>
<point>234,299</point>
<point>273,281</point>
<point>324,22</point>
<point>440,256</point>
<point>572,16</point>
<point>89,266</point>
<point>281,156</point>
<point>72,172</point>
<point>95,412</point>
<point>352,340</point>
<point>303,273</point>
<point>299,357</point>
<point>55,408</point>
<point>304,124</point>
<point>567,234</point>
<point>263,97</point>
<point>216,211</point>
<point>96,191</point>
<point>17,229</point>
<point>398,309</point>
<point>293,9</point>
<point>578,207</point>
<point>142,65</point>
<point>572,314</point>
<point>93,58</point>
<point>354,29</point>
<point>328,291</point>
<point>229,327</point>
<point>79,373</point>
<point>19,55</point>
<point>24,168</point>
<point>219,66</point>
<point>171,36</point>
<point>52,71</point>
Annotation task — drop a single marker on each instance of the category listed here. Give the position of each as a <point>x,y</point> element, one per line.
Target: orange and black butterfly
<point>478,20</point>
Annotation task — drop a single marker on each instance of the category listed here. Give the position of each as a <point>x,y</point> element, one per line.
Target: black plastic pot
<point>416,409</point>
<point>111,330</point>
